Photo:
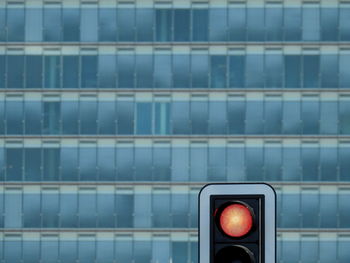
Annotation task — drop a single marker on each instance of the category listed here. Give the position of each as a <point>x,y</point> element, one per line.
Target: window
<point>329,24</point>
<point>291,165</point>
<point>274,23</point>
<point>71,24</point>
<point>310,209</point>
<point>106,165</point>
<point>125,163</point>
<point>237,24</point>
<point>14,117</point>
<point>31,251</point>
<point>88,117</point>
<point>52,24</point>
<point>180,164</point>
<point>144,24</point>
<point>34,72</point>
<point>68,251</point>
<point>236,116</point>
<point>144,71</point>
<point>143,164</point>
<point>309,249</point>
<point>329,71</point>
<point>217,118</point>
<point>344,206</point>
<point>106,117</point>
<point>311,24</point>
<point>199,70</point>
<point>310,162</point>
<point>217,164</point>
<point>162,71</point>
<point>31,211</point>
<point>273,71</point>
<point>12,250</point>
<point>344,165</point>
<point>142,251</point>
<point>88,71</point>
<point>69,164</point>
<point>254,117</point>
<point>329,117</point>
<point>107,24</point>
<point>180,116</point>
<point>291,213</point>
<point>199,117</point>
<point>126,68</point>
<point>15,24</point>
<point>125,117</point>
<point>52,72</point>
<point>273,162</point>
<point>162,118</point>
<point>125,209</point>
<point>311,67</point>
<point>310,112</point>
<point>328,164</point>
<point>88,163</point>
<point>87,249</point>
<point>200,21</point>
<point>126,24</point>
<point>343,248</point>
<point>344,70</point>
<point>164,25</point>
<point>15,71</point>
<point>33,116</point>
<point>254,158</point>
<point>124,249</point>
<point>3,37</point>
<point>89,25</point>
<point>144,118</point>
<point>179,252</point>
<point>254,69</point>
<point>68,210</point>
<point>106,211</point>
<point>218,71</point>
<point>181,25</point>
<point>50,209</point>
<point>291,117</point>
<point>107,71</point>
<point>237,71</point>
<point>161,210</point>
<point>33,25</point>
<point>69,115</point>
<point>217,24</point>
<point>87,212</point>
<point>2,69</point>
<point>161,249</point>
<point>181,69</point>
<point>198,157</point>
<point>32,164</point>
<point>51,117</point>
<point>51,162</point>
<point>344,25</point>
<point>292,71</point>
<point>179,211</point>
<point>255,24</point>
<point>142,211</point>
<point>104,251</point>
<point>161,163</point>
<point>273,116</point>
<point>292,24</point>
<point>70,72</point>
<point>13,211</point>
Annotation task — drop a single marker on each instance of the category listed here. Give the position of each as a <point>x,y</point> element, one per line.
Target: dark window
<point>181,69</point>
<point>292,69</point>
<point>33,118</point>
<point>126,69</point>
<point>218,71</point>
<point>199,70</point>
<point>32,164</point>
<point>329,24</point>
<point>126,24</point>
<point>144,71</point>
<point>52,117</point>
<point>237,71</point>
<point>181,25</point>
<point>311,69</point>
<point>144,24</point>
<point>70,72</point>
<point>88,117</point>
<point>88,71</point>
<point>51,164</point>
<point>164,25</point>
<point>52,72</point>
<point>200,21</point>
<point>274,23</point>
<point>71,24</point>
<point>15,24</point>
<point>34,72</point>
<point>52,24</point>
<point>15,71</point>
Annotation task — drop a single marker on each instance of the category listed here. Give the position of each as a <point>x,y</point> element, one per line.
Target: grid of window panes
<point>90,23</point>
<point>307,68</point>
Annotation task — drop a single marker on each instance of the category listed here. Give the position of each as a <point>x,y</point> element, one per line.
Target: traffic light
<point>237,223</point>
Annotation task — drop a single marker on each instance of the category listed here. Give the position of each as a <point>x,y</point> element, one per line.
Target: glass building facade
<point>113,115</point>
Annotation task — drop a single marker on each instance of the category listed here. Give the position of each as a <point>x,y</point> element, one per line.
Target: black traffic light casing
<point>237,223</point>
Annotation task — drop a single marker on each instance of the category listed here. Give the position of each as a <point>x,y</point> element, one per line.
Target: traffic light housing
<point>237,223</point>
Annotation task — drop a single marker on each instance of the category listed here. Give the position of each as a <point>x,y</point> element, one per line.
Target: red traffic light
<point>236,220</point>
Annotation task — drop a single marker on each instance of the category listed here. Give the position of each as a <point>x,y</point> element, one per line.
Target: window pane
<point>89,25</point>
<point>144,118</point>
<point>310,162</point>
<point>162,71</point>
<point>13,211</point>
<point>160,250</point>
<point>218,71</point>
<point>31,251</point>
<point>180,116</point>
<point>52,117</point>
<point>237,24</point>
<point>161,163</point>
<point>144,24</point>
<point>3,26</point>
<point>291,117</point>
<point>162,118</point>
<point>292,71</point>
<point>125,209</point>
<point>217,118</point>
<point>70,72</point>
<point>142,251</point>
<point>104,251</point>
<point>88,71</point>
<point>143,164</point>
<point>218,24</point>
<point>273,71</point>
<point>124,250</point>
<point>161,210</point>
<point>33,115</point>
<point>13,251</point>
<point>2,68</point>
<point>329,24</point>
<point>125,117</point>
<point>71,24</point>
<point>163,24</point>
<point>344,71</point>
<point>291,164</point>
<point>180,164</point>
<point>273,117</point>
<point>254,117</point>
<point>15,72</point>
<point>329,117</point>
<point>52,24</point>
<point>125,163</point>
<point>50,210</point>
<point>199,70</point>
<point>87,211</point>
<point>14,161</point>
<point>290,251</point>
<point>198,157</point>
<point>144,71</point>
<point>236,117</point>
<point>273,162</point>
<point>199,117</point>
<point>32,166</point>
<point>329,71</point>
<point>14,117</point>
<point>237,71</point>
<point>344,25</point>
<point>311,24</point>
<point>52,72</point>
<point>142,210</point>
<point>310,210</point>
<point>15,24</point>
<point>179,252</point>
<point>31,211</point>
<point>87,163</point>
<point>274,24</point>
<point>87,250</point>
<point>69,115</point>
<point>88,117</point>
<point>179,210</point>
<point>51,163</point>
<point>107,71</point>
<point>181,25</point>
<point>292,24</point>
<point>68,213</point>
<point>33,24</point>
<point>34,72</point>
<point>344,164</point>
<point>254,71</point>
<point>105,210</point>
<point>107,24</point>
<point>291,211</point>
<point>311,71</point>
<point>254,157</point>
<point>344,208</point>
<point>106,118</point>
<point>200,19</point>
<point>343,249</point>
<point>126,68</point>
<point>328,208</point>
<point>106,169</point>
<point>328,164</point>
<point>69,164</point>
<point>309,250</point>
<point>126,24</point>
<point>310,116</point>
<point>68,251</point>
<point>181,69</point>
<point>255,24</point>
<point>217,164</point>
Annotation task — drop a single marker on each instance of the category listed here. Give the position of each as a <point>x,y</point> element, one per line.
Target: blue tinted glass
<point>291,168</point>
<point>124,250</point>
<point>311,24</point>
<point>179,210</point>
<point>87,212</point>
<point>329,24</point>
<point>31,252</point>
<point>237,24</point>
<point>194,251</point>
<point>254,158</point>
<point>126,24</point>
<point>34,23</point>
<point>179,252</point>
<point>142,251</point>
<point>68,251</point>
<point>237,71</point>
<point>290,251</point>
<point>52,24</point>
<point>51,162</point>
<point>88,71</point>
<point>344,208</point>
<point>34,72</point>
<point>344,25</point>
<point>52,117</point>
<point>292,71</point>
<point>107,24</point>
<point>329,117</point>
<point>69,116</point>
<point>254,117</point>
<point>70,72</point>
<point>125,203</point>
<point>236,117</point>
<point>161,118</point>
<point>256,24</point>
<point>217,24</point>
<point>2,71</point>
<point>273,70</point>
<point>105,210</point>
<point>291,211</point>
<point>309,251</point>
<point>218,71</point>
<point>144,71</point>
<point>217,118</point>
<point>199,70</point>
<point>328,251</point>
<point>71,24</point>
<point>160,250</point>
<point>31,210</point>
<point>181,69</point>
<point>200,21</point>
<point>89,25</point>
<point>87,250</point>
<point>126,68</point>
<point>2,170</point>
<point>49,250</point>
<point>180,164</point>
<point>106,165</point>
<point>344,164</point>
<point>311,69</point>
<point>32,164</point>
<point>104,252</point>
<point>198,156</point>
<point>199,117</point>
<point>273,162</point>
<point>87,163</point>
<point>344,71</point>
<point>273,117</point>
<point>68,214</point>
<point>161,210</point>
<point>106,118</point>
<point>13,251</point>
<point>180,117</point>
<point>274,24</point>
<point>52,69</point>
<point>344,112</point>
<point>88,117</point>
<point>217,164</point>
<point>69,164</point>
<point>15,24</point>
<point>50,209</point>
<point>292,24</point>
<point>328,164</point>
<point>125,117</point>
<point>2,26</point>
<point>144,118</point>
<point>33,117</point>
<point>254,71</point>
<point>310,113</point>
<point>14,117</point>
<point>162,71</point>
<point>343,249</point>
<point>13,211</point>
<point>181,25</point>
<point>143,164</point>
<point>142,210</point>
<point>164,25</point>
<point>310,162</point>
<point>329,71</point>
<point>193,212</point>
<point>15,72</point>
<point>107,71</point>
<point>161,163</point>
<point>144,24</point>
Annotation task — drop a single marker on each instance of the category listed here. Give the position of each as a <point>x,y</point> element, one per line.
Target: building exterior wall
<point>113,115</point>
